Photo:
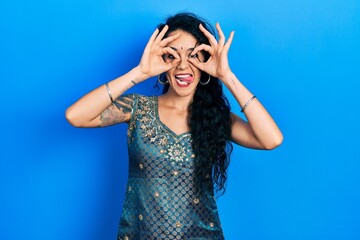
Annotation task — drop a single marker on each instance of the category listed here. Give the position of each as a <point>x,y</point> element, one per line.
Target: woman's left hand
<point>217,65</point>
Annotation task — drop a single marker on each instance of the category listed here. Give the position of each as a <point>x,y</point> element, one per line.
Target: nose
<point>183,64</point>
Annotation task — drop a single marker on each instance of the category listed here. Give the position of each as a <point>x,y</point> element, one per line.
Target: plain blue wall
<point>301,58</point>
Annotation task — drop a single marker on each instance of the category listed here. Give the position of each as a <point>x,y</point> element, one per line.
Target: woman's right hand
<point>152,62</point>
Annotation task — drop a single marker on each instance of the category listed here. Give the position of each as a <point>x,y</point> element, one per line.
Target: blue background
<point>301,58</point>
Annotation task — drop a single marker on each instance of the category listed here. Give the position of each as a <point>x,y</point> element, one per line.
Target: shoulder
<point>132,99</point>
<point>144,100</point>
<point>141,103</point>
<point>136,96</point>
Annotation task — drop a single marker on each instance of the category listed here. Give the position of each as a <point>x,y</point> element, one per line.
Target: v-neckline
<point>163,124</point>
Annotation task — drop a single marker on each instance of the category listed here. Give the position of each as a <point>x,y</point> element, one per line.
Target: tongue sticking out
<point>184,80</point>
<point>187,78</point>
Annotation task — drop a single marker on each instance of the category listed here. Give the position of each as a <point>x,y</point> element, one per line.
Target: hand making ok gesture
<point>217,65</point>
<point>152,62</point>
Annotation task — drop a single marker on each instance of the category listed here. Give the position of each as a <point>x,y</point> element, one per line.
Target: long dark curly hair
<point>209,114</point>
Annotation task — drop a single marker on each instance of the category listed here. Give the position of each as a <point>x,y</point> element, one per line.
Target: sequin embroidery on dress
<point>160,201</point>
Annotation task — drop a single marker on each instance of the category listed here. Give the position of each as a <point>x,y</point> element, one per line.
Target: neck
<point>176,101</point>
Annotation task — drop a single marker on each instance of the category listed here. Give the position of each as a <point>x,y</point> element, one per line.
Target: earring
<point>162,82</point>
<point>204,83</point>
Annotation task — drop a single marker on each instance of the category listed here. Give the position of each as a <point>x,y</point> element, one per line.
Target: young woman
<point>179,142</point>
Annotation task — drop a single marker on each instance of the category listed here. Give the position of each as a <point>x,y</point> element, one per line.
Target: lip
<point>184,80</point>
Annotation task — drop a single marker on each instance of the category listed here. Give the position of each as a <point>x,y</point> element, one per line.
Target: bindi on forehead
<point>181,48</point>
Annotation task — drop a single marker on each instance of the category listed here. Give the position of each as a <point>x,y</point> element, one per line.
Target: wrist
<point>228,78</point>
<point>139,75</point>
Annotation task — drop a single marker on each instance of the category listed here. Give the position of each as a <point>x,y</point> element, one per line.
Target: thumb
<point>171,65</point>
<point>175,62</point>
<point>197,64</point>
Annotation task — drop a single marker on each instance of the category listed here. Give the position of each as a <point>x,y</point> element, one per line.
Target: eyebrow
<point>189,49</point>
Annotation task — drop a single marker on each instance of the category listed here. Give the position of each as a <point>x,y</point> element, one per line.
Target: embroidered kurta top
<point>160,201</point>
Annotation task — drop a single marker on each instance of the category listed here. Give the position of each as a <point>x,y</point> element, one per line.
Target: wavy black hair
<point>209,113</point>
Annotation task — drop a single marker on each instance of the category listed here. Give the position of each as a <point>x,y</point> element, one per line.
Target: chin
<point>183,92</point>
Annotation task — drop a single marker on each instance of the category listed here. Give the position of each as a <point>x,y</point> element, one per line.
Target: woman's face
<point>184,78</point>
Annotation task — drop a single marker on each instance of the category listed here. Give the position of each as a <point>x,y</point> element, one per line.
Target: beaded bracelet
<point>247,103</point>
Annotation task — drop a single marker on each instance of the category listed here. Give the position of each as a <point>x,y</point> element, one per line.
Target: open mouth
<point>184,80</point>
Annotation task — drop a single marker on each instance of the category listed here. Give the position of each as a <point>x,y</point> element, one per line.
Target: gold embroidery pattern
<point>132,123</point>
<point>153,130</point>
<point>160,201</point>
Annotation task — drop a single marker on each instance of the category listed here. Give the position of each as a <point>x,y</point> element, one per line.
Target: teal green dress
<point>160,201</point>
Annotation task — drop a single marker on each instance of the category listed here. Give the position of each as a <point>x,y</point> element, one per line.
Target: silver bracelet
<point>247,103</point>
<point>109,92</point>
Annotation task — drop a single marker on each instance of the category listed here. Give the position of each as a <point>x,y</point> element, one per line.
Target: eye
<point>194,55</point>
<point>170,56</point>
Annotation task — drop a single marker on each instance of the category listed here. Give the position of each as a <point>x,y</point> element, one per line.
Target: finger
<point>229,41</point>
<point>167,40</point>
<point>169,50</point>
<point>197,64</point>
<point>202,47</point>
<point>174,63</point>
<point>208,35</point>
<point>161,34</point>
<point>221,34</point>
<point>152,38</point>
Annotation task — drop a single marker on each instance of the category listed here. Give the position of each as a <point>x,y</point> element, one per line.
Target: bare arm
<point>261,131</point>
<point>96,109</point>
<point>119,111</point>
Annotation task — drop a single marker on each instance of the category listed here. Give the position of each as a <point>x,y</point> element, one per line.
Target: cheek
<point>170,72</point>
<point>197,72</point>
<point>168,75</point>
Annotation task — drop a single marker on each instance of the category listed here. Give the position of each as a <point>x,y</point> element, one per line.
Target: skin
<point>95,109</point>
<point>118,112</point>
<point>173,106</point>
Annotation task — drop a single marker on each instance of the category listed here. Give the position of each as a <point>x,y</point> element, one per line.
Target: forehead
<point>185,40</point>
